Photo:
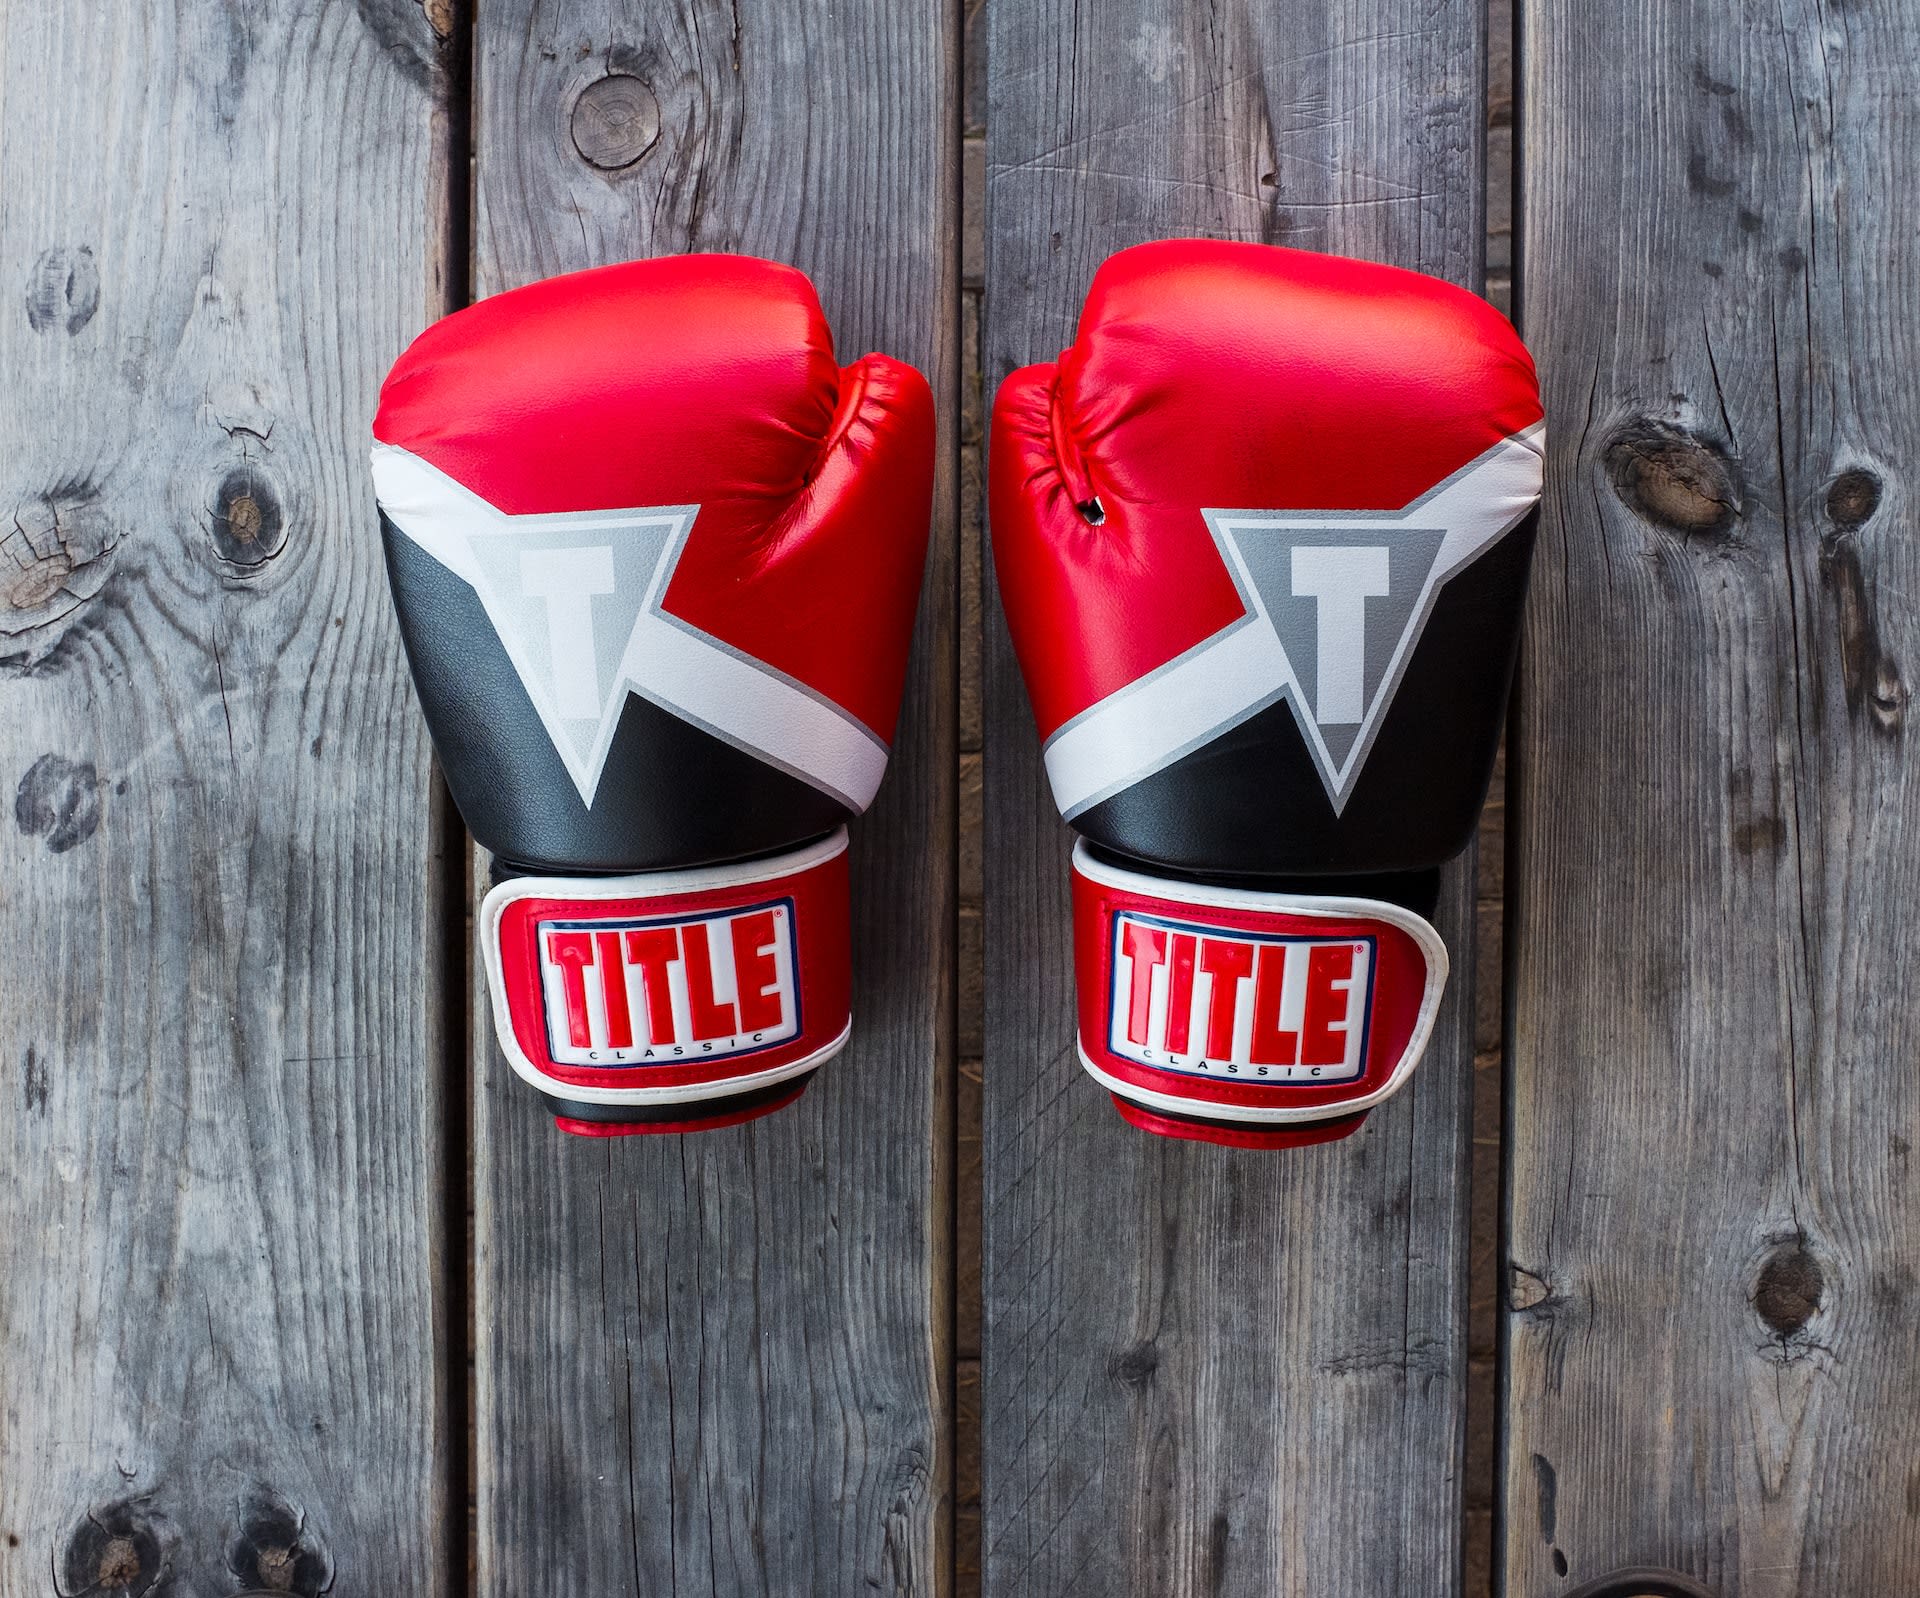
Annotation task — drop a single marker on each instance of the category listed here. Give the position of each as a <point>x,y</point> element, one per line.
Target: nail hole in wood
<point>615,121</point>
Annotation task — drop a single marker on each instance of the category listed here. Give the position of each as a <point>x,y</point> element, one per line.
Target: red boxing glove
<point>1262,536</point>
<point>656,557</point>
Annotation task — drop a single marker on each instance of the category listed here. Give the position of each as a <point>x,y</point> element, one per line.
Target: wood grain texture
<point>221,1202</point>
<point>1715,883</point>
<point>1209,1372</point>
<point>722,1362</point>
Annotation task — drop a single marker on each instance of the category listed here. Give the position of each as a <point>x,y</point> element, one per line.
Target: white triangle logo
<point>567,601</point>
<point>577,599</point>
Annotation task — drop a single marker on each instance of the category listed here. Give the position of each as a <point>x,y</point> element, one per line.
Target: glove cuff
<point>1251,1019</point>
<point>672,1001</point>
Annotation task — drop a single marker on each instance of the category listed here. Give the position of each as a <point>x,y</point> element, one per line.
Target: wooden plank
<point>721,1362</point>
<point>222,1208</point>
<point>1209,1372</point>
<point>1714,1231</point>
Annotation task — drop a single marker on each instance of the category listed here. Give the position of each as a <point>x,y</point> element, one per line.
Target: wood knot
<point>1674,479</point>
<point>248,527</point>
<point>1531,1294</point>
<point>1760,835</point>
<point>275,1550</point>
<point>119,1563</point>
<point>1852,497</point>
<point>1887,700</point>
<point>121,1547</point>
<point>64,290</point>
<point>276,1568</point>
<point>58,800</point>
<point>615,121</point>
<point>243,519</point>
<point>39,582</point>
<point>1788,1291</point>
<point>1134,1367</point>
<point>55,556</point>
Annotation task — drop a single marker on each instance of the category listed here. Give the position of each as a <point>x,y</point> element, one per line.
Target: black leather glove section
<point>671,795</point>
<point>673,1117</point>
<point>1251,804</point>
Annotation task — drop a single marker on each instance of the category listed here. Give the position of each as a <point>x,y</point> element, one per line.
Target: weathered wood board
<point>222,1206</point>
<point>1714,887</point>
<point>1208,1371</point>
<point>722,1362</point>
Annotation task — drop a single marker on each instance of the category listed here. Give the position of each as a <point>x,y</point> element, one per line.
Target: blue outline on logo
<point>1243,936</point>
<point>634,924</point>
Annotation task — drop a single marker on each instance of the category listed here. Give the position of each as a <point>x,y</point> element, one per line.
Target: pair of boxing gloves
<point>1261,536</point>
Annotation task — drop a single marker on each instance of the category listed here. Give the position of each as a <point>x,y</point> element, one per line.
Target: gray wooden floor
<point>299,1292</point>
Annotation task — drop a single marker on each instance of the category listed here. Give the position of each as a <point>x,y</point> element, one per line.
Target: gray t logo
<point>1342,580</point>
<point>1345,603</point>
<point>1334,603</point>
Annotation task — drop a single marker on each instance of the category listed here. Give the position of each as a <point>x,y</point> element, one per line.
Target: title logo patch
<point>667,991</point>
<point>1235,1005</point>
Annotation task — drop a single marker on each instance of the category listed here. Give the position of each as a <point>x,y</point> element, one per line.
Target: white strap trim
<point>693,1093</point>
<point>699,678</point>
<point>645,885</point>
<point>1416,927</point>
<point>1225,680</point>
<point>738,699</point>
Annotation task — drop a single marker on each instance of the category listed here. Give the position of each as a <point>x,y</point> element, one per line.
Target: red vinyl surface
<point>1399,976</point>
<point>1209,375</point>
<point>705,380</point>
<point>815,897</point>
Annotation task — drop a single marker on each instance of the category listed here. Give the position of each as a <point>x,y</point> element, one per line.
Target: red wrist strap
<point>672,1001</point>
<point>1259,1020</point>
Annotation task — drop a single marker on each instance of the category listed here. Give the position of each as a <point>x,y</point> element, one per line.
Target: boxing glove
<point>1262,537</point>
<point>656,557</point>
